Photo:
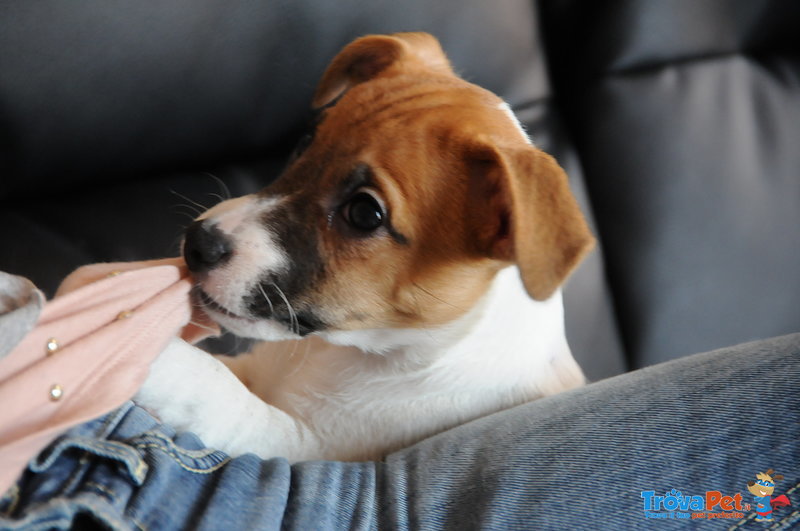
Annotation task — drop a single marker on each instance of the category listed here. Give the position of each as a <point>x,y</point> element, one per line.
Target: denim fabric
<point>586,459</point>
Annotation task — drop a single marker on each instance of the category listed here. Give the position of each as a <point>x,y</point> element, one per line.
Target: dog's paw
<point>192,391</point>
<point>177,388</point>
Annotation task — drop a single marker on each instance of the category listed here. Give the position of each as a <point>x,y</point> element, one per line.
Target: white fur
<point>313,399</point>
<point>506,108</point>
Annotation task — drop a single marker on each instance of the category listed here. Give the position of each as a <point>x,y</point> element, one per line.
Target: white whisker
<point>224,188</point>
<point>188,215</point>
<point>294,324</point>
<point>216,196</point>
<point>200,208</point>
<point>264,293</point>
<point>204,327</point>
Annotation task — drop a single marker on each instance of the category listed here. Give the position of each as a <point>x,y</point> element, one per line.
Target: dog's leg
<point>191,390</point>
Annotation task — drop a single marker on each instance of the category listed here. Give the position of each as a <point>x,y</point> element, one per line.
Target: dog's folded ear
<point>530,216</point>
<point>379,55</point>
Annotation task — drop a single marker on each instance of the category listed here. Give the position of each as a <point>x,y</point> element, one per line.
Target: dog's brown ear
<point>532,218</point>
<point>379,55</point>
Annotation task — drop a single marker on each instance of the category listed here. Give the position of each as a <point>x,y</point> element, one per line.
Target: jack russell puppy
<point>403,272</point>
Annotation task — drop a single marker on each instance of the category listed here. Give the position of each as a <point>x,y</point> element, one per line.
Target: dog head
<point>397,210</point>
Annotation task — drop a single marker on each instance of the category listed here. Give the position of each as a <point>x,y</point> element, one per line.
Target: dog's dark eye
<point>364,212</point>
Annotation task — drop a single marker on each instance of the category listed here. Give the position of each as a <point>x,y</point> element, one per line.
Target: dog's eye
<point>364,212</point>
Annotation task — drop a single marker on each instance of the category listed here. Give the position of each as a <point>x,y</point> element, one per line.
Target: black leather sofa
<point>678,122</point>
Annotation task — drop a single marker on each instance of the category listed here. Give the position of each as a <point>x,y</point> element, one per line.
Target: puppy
<point>403,272</point>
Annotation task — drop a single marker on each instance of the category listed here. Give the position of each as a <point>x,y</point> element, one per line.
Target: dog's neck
<point>506,331</point>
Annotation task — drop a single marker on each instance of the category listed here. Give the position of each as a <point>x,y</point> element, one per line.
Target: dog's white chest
<point>358,405</point>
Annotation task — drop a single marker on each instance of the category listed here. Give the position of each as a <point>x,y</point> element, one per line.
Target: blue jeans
<point>666,447</point>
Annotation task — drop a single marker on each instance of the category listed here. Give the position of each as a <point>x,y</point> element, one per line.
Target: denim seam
<point>72,482</point>
<point>791,516</point>
<point>113,419</point>
<point>141,470</point>
<point>105,490</point>
<point>173,452</point>
<point>192,454</point>
<point>128,457</point>
<point>50,523</point>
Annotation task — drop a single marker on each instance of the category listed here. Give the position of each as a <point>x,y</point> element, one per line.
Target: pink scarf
<point>90,352</point>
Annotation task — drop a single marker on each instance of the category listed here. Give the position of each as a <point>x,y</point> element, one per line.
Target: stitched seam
<point>172,453</point>
<point>791,515</point>
<point>74,478</point>
<point>50,523</point>
<point>141,470</point>
<point>786,518</point>
<point>192,454</point>
<point>115,418</point>
<point>101,488</point>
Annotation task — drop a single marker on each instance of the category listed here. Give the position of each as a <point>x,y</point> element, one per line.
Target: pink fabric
<point>111,321</point>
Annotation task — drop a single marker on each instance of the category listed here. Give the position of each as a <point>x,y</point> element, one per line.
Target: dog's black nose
<point>205,247</point>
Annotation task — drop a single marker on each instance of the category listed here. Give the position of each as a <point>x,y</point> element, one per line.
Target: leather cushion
<point>687,120</point>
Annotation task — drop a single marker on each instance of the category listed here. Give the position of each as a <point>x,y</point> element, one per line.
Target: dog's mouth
<point>296,323</point>
<point>208,303</point>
